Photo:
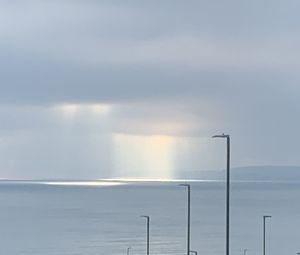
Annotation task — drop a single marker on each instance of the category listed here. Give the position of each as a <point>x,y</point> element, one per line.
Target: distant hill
<point>249,173</point>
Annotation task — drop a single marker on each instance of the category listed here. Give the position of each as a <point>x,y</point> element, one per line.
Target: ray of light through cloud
<point>143,156</point>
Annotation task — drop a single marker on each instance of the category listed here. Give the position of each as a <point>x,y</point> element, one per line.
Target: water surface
<point>87,218</point>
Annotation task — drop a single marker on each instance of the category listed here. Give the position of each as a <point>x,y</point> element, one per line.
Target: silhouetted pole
<point>245,251</point>
<point>148,227</point>
<point>188,216</point>
<point>264,233</point>
<point>195,252</point>
<point>128,249</point>
<point>227,189</point>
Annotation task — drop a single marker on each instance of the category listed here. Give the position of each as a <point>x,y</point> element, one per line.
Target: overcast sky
<point>93,89</point>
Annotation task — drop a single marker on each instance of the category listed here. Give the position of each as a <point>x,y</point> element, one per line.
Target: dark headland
<point>249,173</point>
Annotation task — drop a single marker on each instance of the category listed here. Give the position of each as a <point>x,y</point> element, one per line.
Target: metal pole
<point>228,195</point>
<point>188,216</point>
<point>148,233</point>
<point>227,232</point>
<point>245,251</point>
<point>264,236</point>
<point>189,220</point>
<point>264,233</point>
<point>128,250</point>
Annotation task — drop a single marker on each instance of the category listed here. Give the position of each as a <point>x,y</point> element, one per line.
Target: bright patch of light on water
<point>83,183</point>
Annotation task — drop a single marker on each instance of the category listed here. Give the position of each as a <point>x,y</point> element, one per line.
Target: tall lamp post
<point>148,226</point>
<point>264,232</point>
<point>227,188</point>
<point>188,216</point>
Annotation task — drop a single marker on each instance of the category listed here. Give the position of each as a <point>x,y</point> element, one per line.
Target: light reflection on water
<point>102,217</point>
<point>82,183</point>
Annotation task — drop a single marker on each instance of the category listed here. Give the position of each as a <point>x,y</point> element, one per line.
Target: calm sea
<point>81,218</point>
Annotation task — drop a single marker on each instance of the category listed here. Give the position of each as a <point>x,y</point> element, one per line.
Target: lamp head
<point>221,136</point>
<point>184,185</point>
<point>267,216</point>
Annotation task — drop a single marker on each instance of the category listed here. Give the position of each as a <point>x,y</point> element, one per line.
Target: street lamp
<point>195,252</point>
<point>227,188</point>
<point>264,232</point>
<point>128,249</point>
<point>188,215</point>
<point>148,225</point>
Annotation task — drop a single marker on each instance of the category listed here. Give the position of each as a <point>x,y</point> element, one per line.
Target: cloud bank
<point>76,74</point>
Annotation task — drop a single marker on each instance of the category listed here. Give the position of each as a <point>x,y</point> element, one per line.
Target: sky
<point>105,89</point>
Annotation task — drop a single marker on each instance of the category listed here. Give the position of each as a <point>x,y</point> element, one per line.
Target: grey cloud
<point>174,68</point>
<point>58,51</point>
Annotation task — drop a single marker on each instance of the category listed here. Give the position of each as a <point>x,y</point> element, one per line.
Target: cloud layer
<point>173,68</point>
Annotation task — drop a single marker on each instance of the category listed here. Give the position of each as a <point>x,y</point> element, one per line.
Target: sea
<point>104,217</point>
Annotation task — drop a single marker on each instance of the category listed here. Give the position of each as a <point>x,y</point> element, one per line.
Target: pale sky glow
<point>70,110</point>
<point>102,89</point>
<point>101,108</point>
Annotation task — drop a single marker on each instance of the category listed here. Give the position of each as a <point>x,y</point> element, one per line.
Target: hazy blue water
<point>44,219</point>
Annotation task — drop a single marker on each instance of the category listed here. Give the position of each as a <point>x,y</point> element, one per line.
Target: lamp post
<point>148,226</point>
<point>128,249</point>
<point>264,232</point>
<point>195,252</point>
<point>227,189</point>
<point>188,216</point>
